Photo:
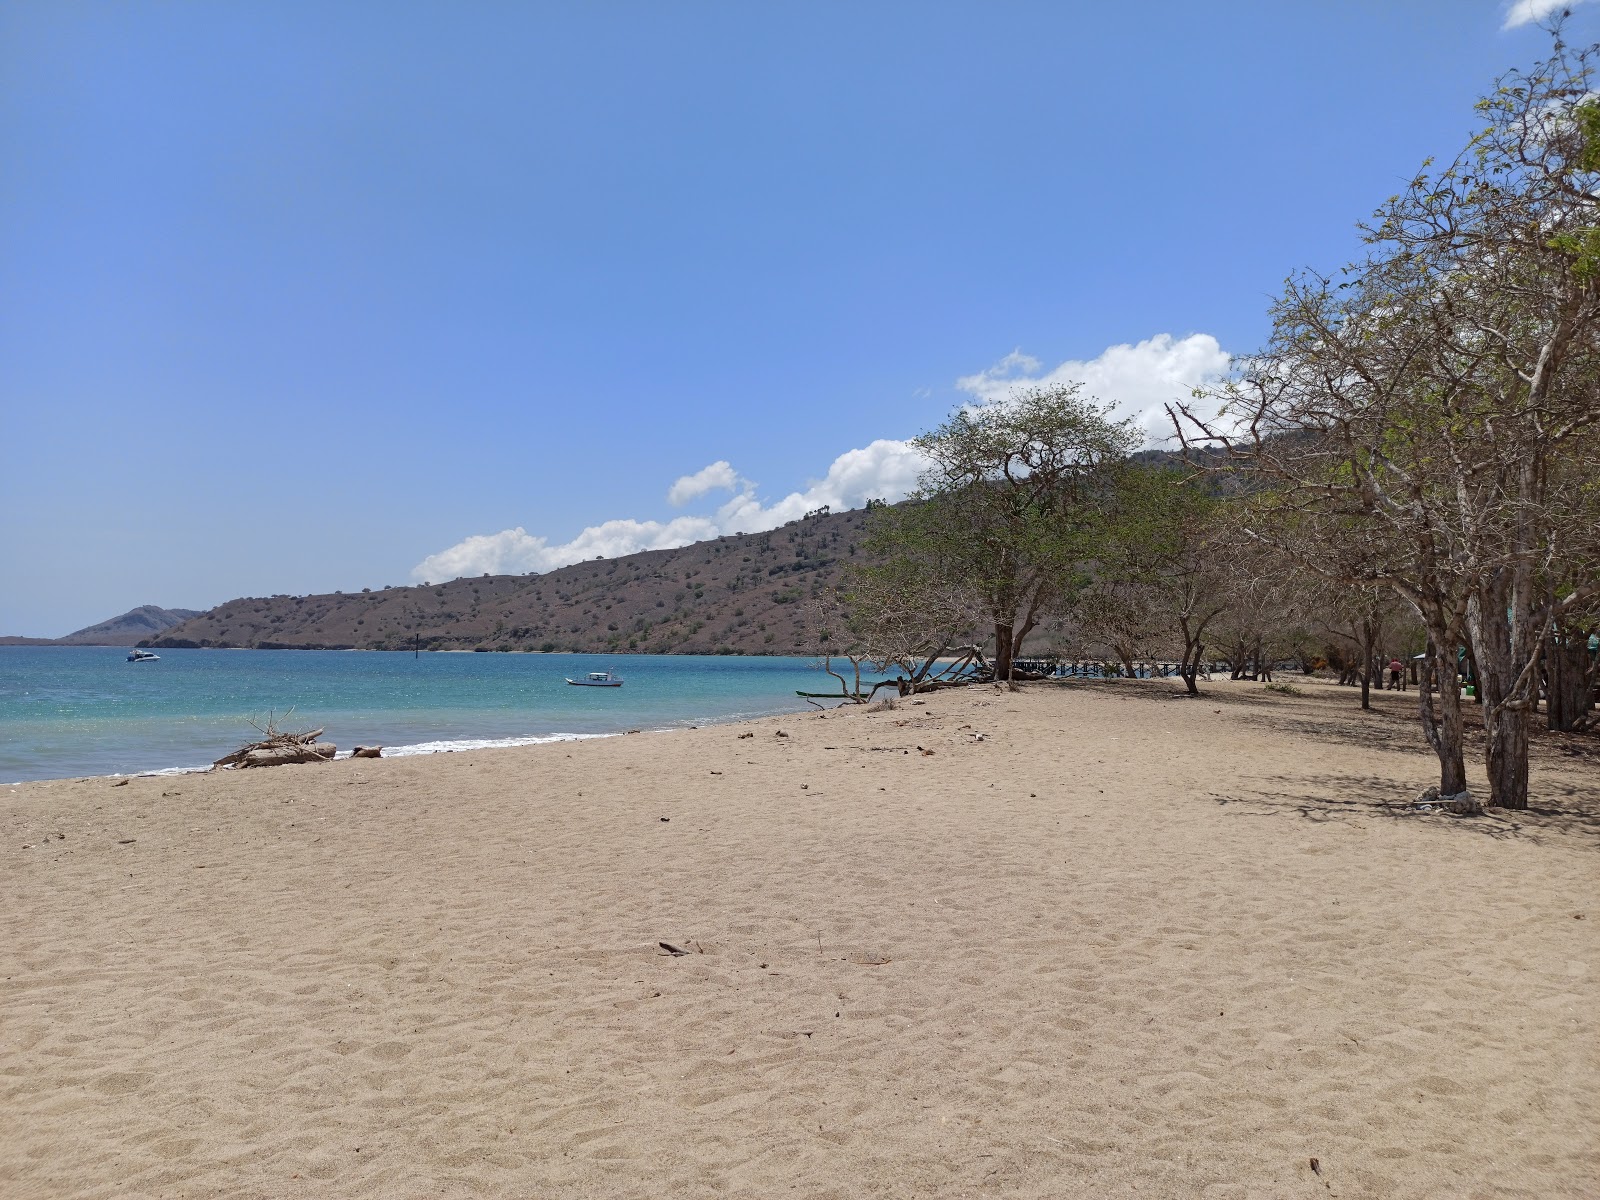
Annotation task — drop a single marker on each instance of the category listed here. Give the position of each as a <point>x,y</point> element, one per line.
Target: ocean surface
<point>84,710</point>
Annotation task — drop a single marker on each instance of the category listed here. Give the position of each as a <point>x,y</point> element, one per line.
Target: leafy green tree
<point>1010,505</point>
<point>1162,574</point>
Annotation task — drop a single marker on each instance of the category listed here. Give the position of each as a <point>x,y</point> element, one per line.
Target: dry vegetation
<point>743,594</point>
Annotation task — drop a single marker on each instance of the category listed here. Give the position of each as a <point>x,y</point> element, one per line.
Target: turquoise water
<point>69,711</point>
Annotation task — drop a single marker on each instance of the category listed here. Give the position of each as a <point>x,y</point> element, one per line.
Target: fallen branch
<point>278,747</point>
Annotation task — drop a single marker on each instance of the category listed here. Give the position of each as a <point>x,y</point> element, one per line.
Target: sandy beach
<point>1126,944</point>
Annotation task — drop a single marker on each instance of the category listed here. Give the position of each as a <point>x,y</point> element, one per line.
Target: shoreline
<point>1125,944</point>
<point>430,748</point>
<point>140,721</point>
<point>415,750</point>
<point>517,741</point>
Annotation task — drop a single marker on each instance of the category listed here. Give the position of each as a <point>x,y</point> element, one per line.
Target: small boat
<point>598,679</point>
<point>143,656</point>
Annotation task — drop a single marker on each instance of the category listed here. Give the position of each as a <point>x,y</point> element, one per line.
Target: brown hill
<point>742,594</point>
<point>132,626</point>
<point>136,623</point>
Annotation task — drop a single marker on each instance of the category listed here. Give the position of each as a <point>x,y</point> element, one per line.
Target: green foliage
<point>1587,118</point>
<point>1011,505</point>
<point>1161,572</point>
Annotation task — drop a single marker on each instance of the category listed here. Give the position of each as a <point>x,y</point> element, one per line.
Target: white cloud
<point>720,475</point>
<point>1140,380</point>
<point>885,469</point>
<point>516,551</point>
<point>1526,12</point>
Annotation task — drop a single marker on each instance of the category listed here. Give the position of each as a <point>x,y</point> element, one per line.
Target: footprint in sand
<point>122,1083</point>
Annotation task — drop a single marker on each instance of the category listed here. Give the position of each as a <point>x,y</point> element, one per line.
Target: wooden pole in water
<point>416,647</point>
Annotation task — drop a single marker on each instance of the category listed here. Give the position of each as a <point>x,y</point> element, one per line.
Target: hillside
<point>145,621</point>
<point>136,624</point>
<point>742,594</point>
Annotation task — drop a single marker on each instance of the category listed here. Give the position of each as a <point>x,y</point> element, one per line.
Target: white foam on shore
<point>441,747</point>
<point>481,744</point>
<point>453,746</point>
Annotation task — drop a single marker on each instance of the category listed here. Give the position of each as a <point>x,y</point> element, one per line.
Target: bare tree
<point>1434,403</point>
<point>1360,620</point>
<point>907,614</point>
<point>1120,613</point>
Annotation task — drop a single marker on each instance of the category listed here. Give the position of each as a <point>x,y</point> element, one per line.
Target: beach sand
<point>1128,944</point>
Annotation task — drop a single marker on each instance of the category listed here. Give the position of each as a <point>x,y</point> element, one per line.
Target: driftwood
<point>278,747</point>
<point>276,756</point>
<point>971,667</point>
<point>367,752</point>
<point>848,693</point>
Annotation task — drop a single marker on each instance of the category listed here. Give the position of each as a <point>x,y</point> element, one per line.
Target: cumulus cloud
<point>1526,12</point>
<point>1140,379</point>
<point>719,476</point>
<point>885,469</point>
<point>516,551</point>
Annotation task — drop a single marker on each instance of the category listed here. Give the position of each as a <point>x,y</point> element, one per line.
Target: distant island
<point>739,594</point>
<point>132,627</point>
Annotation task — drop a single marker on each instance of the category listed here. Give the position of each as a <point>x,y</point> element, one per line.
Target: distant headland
<point>133,626</point>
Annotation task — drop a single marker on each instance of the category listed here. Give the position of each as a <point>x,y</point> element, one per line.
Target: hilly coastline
<point>740,594</point>
<point>133,626</point>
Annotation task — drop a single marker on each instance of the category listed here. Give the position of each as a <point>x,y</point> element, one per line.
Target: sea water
<point>85,710</point>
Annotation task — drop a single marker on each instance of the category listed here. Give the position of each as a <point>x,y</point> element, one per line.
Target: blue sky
<point>297,297</point>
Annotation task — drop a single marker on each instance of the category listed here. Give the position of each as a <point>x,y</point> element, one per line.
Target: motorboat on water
<point>143,656</point>
<point>598,679</point>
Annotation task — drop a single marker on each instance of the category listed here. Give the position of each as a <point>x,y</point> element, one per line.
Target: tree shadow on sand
<point>1329,716</point>
<point>1562,810</point>
<point>1374,730</point>
<point>1169,690</point>
<point>1565,814</point>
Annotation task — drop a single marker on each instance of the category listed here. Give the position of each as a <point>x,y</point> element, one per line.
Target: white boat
<point>143,656</point>
<point>598,679</point>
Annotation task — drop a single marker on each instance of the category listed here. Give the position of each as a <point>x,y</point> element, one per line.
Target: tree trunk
<point>1569,681</point>
<point>1018,639</point>
<point>1003,650</point>
<point>1262,665</point>
<point>1508,758</point>
<point>1506,724</point>
<point>1190,669</point>
<point>1443,727</point>
<point>1506,648</point>
<point>1368,637</point>
<point>1555,682</point>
